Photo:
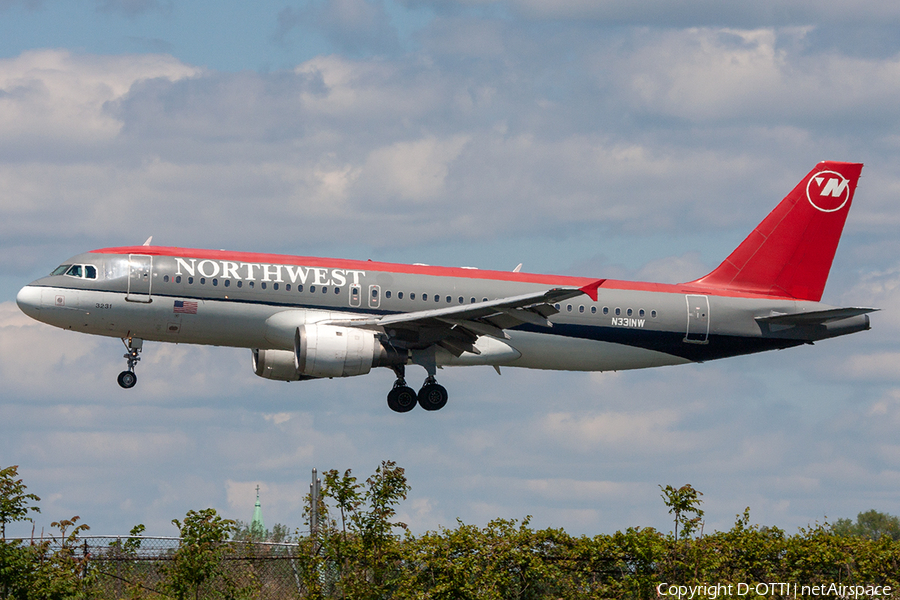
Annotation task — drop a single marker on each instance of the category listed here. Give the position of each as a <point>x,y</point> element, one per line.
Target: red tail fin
<point>790,252</point>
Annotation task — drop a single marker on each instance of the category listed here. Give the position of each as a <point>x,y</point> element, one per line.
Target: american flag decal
<point>185,307</point>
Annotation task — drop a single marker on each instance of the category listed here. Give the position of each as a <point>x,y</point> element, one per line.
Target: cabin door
<point>697,320</point>
<point>139,278</point>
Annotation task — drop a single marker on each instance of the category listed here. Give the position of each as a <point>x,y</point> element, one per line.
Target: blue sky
<point>636,140</point>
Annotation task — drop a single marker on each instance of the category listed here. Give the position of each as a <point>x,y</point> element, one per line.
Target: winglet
<point>591,289</point>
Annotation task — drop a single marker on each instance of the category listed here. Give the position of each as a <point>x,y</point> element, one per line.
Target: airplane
<point>307,318</point>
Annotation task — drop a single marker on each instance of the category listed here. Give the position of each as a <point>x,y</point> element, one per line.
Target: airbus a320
<point>306,318</point>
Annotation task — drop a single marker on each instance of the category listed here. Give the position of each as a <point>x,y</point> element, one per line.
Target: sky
<point>630,139</point>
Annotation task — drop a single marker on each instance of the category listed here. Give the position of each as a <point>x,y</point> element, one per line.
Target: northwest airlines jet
<point>306,318</point>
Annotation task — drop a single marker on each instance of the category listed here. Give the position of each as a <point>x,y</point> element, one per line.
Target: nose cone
<point>29,300</point>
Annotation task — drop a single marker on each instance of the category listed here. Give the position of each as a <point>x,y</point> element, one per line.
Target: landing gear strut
<point>401,398</point>
<point>127,379</point>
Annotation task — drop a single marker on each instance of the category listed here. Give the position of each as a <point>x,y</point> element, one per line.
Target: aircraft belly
<point>542,351</point>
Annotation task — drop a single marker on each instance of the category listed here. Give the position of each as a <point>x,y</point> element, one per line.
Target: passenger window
<point>412,295</point>
<point>263,285</point>
<point>203,281</point>
<point>629,312</point>
<point>618,311</point>
<point>252,284</point>
<point>653,313</point>
<point>400,295</point>
<point>312,289</point>
<point>240,284</point>
<point>90,272</point>
<point>337,290</point>
<point>449,299</point>
<point>178,279</point>
<point>227,282</point>
<point>593,310</point>
<point>387,294</point>
<point>472,301</point>
<point>461,299</point>
<point>641,312</point>
<point>569,308</point>
<point>274,286</point>
<point>374,292</point>
<point>605,310</point>
<point>581,309</point>
<point>166,278</point>
<point>191,280</point>
<point>287,287</point>
<point>424,297</point>
<point>300,288</point>
<point>437,298</point>
<point>215,282</point>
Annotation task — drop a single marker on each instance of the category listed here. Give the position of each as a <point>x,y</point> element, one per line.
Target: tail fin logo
<point>828,191</point>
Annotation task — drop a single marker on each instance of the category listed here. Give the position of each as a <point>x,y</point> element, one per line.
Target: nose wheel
<point>127,379</point>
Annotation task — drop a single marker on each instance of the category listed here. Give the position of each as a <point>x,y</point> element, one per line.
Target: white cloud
<point>61,97</point>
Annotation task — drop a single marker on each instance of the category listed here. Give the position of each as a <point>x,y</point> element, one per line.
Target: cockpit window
<point>82,271</point>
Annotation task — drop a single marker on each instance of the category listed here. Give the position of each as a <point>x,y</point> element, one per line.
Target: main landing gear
<point>403,398</point>
<point>127,379</point>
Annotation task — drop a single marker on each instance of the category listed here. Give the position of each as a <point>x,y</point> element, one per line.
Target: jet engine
<point>327,351</point>
<point>280,365</point>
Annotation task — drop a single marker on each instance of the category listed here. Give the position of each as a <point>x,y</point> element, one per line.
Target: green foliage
<point>363,552</point>
<point>683,502</point>
<point>14,502</point>
<point>364,556</point>
<point>278,534</point>
<point>197,564</point>
<point>870,524</point>
<point>36,571</point>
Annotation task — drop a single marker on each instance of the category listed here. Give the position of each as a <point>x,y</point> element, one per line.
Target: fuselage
<point>258,300</point>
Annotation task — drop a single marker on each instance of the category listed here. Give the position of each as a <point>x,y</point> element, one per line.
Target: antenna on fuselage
<point>518,268</point>
<point>149,239</point>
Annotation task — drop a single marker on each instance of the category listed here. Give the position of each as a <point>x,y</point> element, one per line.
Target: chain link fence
<point>138,566</point>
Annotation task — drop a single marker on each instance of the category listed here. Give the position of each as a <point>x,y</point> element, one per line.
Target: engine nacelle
<point>329,351</point>
<point>326,351</point>
<point>280,365</point>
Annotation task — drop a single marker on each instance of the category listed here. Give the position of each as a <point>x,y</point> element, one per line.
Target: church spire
<point>257,528</point>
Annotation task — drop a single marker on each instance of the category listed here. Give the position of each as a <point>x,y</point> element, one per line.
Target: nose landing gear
<point>127,379</point>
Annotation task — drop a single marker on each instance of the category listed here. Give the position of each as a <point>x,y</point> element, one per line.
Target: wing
<point>457,328</point>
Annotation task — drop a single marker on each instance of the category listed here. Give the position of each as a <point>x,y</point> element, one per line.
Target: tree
<point>198,561</point>
<point>683,502</point>
<point>14,502</point>
<point>870,524</point>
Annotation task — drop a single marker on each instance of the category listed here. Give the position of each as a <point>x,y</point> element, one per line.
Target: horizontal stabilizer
<point>816,317</point>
